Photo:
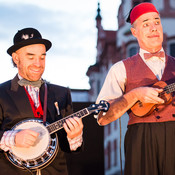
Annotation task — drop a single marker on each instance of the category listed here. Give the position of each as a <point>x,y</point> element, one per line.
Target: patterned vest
<point>138,74</point>
<point>38,112</point>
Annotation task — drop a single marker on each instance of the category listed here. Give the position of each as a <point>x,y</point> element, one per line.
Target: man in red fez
<point>136,85</point>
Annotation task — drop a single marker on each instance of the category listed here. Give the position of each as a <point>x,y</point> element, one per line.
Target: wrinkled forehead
<point>151,16</point>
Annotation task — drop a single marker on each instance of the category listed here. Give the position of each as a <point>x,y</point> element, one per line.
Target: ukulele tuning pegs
<point>95,116</point>
<point>102,102</point>
<point>96,111</point>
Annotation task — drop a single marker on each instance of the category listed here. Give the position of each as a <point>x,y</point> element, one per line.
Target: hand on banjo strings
<point>25,138</point>
<point>73,127</point>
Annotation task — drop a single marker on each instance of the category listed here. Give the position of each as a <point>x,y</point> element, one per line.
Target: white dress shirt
<point>114,85</point>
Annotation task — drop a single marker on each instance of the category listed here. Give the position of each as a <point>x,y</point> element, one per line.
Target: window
<point>109,129</point>
<point>98,86</point>
<point>115,124</point>
<point>172,49</point>
<point>172,4</point>
<point>132,49</point>
<point>147,1</point>
<point>115,152</point>
<point>138,2</point>
<point>109,155</point>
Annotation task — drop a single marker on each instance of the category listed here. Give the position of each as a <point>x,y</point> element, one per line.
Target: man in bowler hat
<point>24,97</point>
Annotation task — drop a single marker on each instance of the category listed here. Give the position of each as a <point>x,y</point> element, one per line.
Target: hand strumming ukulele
<point>144,109</point>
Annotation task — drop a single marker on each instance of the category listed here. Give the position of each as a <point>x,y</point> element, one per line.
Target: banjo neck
<point>102,106</point>
<point>54,127</point>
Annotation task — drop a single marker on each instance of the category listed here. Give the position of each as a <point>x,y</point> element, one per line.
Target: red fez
<point>141,9</point>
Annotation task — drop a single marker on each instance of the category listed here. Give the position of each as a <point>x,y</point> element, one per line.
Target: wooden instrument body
<point>145,109</point>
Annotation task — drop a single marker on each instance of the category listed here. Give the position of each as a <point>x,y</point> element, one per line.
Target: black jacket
<point>15,106</point>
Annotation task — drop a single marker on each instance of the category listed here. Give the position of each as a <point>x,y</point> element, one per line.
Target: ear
<point>133,31</point>
<point>15,58</point>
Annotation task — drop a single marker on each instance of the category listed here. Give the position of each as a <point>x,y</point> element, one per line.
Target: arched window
<point>115,152</point>
<point>171,47</point>
<point>146,0</point>
<point>132,49</point>
<point>108,156</point>
<point>172,4</point>
<point>136,2</point>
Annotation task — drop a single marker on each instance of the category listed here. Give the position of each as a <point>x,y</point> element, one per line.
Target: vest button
<point>158,117</point>
<point>173,103</point>
<point>156,109</point>
<point>173,115</point>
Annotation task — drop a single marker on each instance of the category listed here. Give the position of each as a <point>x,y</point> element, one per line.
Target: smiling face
<point>148,31</point>
<point>30,61</point>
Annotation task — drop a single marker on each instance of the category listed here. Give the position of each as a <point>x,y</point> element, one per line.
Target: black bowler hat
<point>27,37</point>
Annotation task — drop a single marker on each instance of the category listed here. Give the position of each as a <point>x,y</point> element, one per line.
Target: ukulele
<point>144,109</point>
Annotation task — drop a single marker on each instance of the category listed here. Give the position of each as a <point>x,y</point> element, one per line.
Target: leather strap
<point>45,103</point>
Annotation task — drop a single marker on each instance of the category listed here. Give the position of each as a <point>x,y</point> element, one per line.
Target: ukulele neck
<point>169,88</point>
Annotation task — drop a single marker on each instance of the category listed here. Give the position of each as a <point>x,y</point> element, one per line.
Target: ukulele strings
<point>167,89</point>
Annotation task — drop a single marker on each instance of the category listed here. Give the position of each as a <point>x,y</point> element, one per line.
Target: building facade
<point>113,46</point>
<point>80,95</point>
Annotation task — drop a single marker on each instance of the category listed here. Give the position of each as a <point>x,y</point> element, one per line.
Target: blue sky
<point>69,25</point>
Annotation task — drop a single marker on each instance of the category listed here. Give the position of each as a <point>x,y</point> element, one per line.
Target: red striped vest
<point>38,112</point>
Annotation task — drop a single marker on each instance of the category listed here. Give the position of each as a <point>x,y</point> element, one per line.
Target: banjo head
<point>39,147</point>
<point>38,155</point>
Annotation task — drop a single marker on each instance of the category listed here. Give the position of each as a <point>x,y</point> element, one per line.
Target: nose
<point>37,62</point>
<point>153,28</point>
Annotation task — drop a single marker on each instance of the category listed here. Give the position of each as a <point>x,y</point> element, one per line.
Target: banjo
<point>43,152</point>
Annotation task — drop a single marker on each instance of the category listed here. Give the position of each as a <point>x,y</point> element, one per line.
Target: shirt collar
<point>19,76</point>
